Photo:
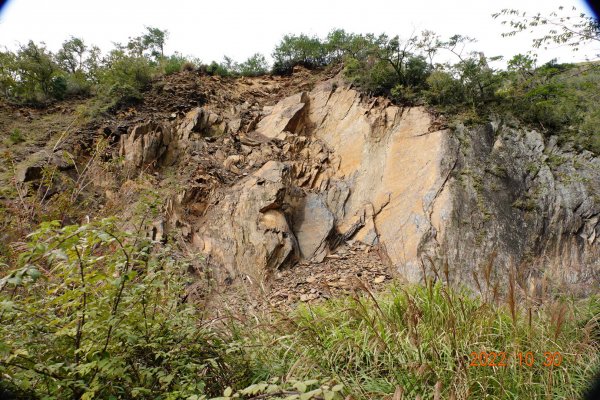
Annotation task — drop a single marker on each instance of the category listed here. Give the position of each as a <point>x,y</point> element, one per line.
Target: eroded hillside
<point>306,177</point>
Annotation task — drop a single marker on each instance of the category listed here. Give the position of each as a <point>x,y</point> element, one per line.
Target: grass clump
<point>422,341</point>
<point>16,136</point>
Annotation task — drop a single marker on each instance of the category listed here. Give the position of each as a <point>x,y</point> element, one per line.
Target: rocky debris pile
<point>354,268</point>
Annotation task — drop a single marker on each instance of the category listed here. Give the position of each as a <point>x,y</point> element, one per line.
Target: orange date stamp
<point>521,359</point>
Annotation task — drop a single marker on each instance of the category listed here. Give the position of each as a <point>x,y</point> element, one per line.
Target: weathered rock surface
<point>293,181</point>
<point>519,201</point>
<point>32,168</point>
<point>312,223</point>
<point>247,232</point>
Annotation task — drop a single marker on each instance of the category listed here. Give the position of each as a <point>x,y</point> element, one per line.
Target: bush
<point>93,312</point>
<point>217,69</point>
<point>442,89</point>
<point>58,88</point>
<point>126,70</point>
<point>374,76</point>
<point>122,81</point>
<point>303,50</point>
<point>173,64</point>
<point>78,84</point>
<point>188,66</point>
<point>254,66</point>
<point>122,95</point>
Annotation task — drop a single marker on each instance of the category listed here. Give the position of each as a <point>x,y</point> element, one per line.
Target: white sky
<point>239,28</point>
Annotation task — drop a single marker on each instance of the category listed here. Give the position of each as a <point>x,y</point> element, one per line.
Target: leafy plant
<point>93,312</point>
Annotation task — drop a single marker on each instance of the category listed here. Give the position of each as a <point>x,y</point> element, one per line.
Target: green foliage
<point>562,27</point>
<point>173,64</point>
<point>442,89</point>
<point>558,98</point>
<point>70,56</point>
<point>8,73</point>
<point>16,136</point>
<point>255,65</point>
<point>58,87</point>
<point>421,338</point>
<point>290,389</point>
<point>29,74</point>
<point>294,50</point>
<point>376,77</point>
<point>92,312</point>
<point>214,68</point>
<point>78,84</point>
<point>123,79</point>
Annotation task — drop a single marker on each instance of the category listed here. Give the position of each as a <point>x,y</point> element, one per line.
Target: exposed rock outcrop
<point>329,165</point>
<point>527,203</point>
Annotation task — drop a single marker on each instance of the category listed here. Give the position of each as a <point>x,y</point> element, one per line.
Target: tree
<point>572,28</point>
<point>70,56</point>
<point>8,76</point>
<point>154,40</point>
<point>36,69</point>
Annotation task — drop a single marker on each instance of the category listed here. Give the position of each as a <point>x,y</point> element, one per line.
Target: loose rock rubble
<point>354,268</point>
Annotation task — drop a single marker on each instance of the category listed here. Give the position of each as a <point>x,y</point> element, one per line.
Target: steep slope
<point>256,175</point>
<point>329,166</point>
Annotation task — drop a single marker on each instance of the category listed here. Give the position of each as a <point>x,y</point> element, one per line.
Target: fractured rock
<point>312,223</point>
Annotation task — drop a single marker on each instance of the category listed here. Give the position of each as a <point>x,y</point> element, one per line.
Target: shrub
<point>442,89</point>
<point>93,312</point>
<point>295,50</point>
<point>217,69</point>
<point>254,66</point>
<point>374,76</point>
<point>122,95</point>
<point>122,80</point>
<point>188,66</point>
<point>78,84</point>
<point>173,64</point>
<point>58,88</point>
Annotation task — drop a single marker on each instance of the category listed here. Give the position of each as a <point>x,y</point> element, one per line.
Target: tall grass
<point>417,341</point>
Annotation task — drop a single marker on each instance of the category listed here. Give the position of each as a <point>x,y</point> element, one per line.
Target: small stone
<point>379,279</point>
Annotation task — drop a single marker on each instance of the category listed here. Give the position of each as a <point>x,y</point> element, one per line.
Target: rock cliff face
<point>525,203</point>
<point>329,165</point>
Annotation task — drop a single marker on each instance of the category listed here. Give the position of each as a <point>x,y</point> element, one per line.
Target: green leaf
<point>33,273</point>
<point>227,392</point>
<point>311,394</point>
<point>337,388</point>
<point>300,386</point>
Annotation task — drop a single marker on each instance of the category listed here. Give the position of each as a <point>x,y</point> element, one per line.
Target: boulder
<point>312,224</point>
<point>285,116</point>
